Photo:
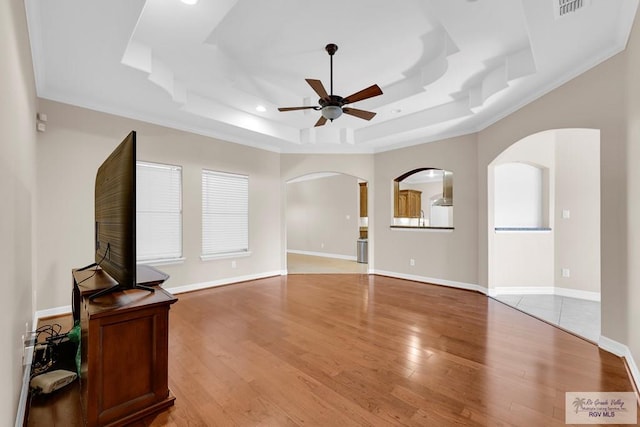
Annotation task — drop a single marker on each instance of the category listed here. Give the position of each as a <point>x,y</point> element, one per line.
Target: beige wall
<point>444,255</point>
<point>323,215</point>
<point>78,140</point>
<point>297,165</point>
<point>521,260</point>
<point>577,189</point>
<point>17,192</point>
<point>630,305</point>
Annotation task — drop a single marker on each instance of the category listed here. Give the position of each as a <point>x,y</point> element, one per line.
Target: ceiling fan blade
<point>362,114</point>
<point>369,92</point>
<point>296,108</point>
<point>321,121</point>
<point>318,87</point>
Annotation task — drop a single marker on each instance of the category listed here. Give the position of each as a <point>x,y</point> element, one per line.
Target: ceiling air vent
<point>566,7</point>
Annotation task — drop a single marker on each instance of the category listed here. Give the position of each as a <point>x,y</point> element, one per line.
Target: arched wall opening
<point>423,198</point>
<point>326,224</point>
<point>544,220</point>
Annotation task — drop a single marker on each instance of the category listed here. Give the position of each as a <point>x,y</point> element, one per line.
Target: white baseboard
<point>322,254</point>
<point>449,283</point>
<point>221,282</point>
<point>544,290</point>
<point>622,350</point>
<point>50,312</point>
<point>66,309</point>
<point>24,393</point>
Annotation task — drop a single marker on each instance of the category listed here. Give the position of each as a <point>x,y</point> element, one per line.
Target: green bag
<point>74,336</point>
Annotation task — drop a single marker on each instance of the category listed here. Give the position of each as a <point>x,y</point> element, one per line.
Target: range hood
<point>447,190</point>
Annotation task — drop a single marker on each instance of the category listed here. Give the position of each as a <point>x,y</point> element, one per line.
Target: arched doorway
<point>544,228</point>
<point>326,224</point>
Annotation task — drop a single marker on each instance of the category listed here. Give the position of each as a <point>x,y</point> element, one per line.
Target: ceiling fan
<point>332,106</point>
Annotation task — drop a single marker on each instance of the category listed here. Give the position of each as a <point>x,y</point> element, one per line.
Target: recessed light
<point>261,108</point>
<point>189,2</point>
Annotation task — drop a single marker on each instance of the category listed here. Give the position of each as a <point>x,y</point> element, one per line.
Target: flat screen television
<point>115,220</point>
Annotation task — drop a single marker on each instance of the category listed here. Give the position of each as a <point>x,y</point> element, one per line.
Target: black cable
<point>97,264</point>
<point>52,331</point>
<point>45,354</point>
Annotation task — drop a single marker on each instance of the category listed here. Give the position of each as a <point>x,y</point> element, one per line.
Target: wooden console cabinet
<point>124,350</point>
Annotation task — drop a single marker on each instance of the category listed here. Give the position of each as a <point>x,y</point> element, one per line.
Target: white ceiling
<point>446,67</point>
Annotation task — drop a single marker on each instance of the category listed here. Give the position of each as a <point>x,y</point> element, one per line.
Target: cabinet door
<point>363,199</point>
<point>127,365</point>
<point>414,204</point>
<point>403,208</point>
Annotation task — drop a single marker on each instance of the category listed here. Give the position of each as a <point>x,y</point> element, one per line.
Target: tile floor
<point>579,316</point>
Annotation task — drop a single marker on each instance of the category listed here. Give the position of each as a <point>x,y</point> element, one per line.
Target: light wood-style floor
<point>364,350</point>
<point>309,264</point>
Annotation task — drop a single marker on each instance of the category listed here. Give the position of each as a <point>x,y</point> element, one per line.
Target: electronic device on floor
<point>51,381</point>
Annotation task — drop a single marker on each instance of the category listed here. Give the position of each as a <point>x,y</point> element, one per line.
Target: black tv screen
<point>115,214</point>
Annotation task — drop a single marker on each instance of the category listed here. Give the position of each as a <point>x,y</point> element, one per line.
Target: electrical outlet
<point>234,264</point>
<point>321,245</point>
<point>25,342</point>
<point>412,262</point>
<point>566,272</point>
<point>28,343</point>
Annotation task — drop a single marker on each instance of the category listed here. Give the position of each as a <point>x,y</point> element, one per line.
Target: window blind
<point>158,211</point>
<point>225,213</point>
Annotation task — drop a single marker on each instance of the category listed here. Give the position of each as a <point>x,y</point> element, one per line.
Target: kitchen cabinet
<point>363,199</point>
<point>409,203</point>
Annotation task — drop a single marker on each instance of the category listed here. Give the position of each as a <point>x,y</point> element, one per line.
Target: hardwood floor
<point>328,350</point>
<point>353,349</point>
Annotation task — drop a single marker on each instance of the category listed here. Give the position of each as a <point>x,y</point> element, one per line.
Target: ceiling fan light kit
<point>332,106</point>
<point>331,112</point>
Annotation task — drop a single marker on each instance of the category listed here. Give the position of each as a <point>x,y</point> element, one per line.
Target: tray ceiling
<point>446,67</point>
